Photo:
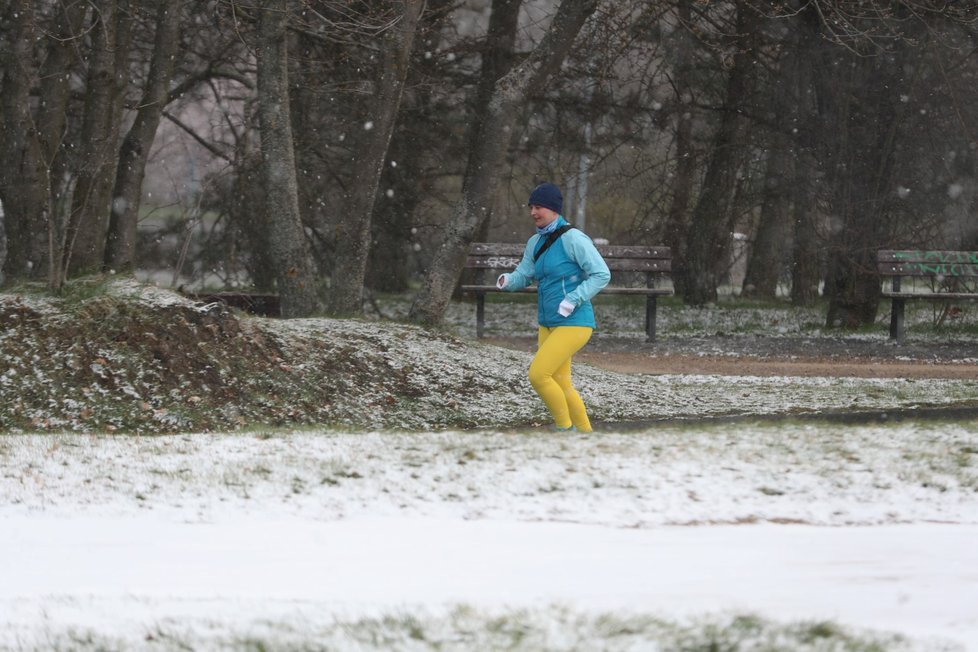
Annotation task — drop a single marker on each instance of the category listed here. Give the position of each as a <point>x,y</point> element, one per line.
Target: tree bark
<point>350,262</point>
<point>287,241</point>
<point>481,177</point>
<point>677,219</point>
<point>99,141</point>
<point>52,128</point>
<point>766,261</point>
<point>388,267</point>
<point>805,261</point>
<point>497,52</point>
<point>868,118</point>
<point>3,245</point>
<point>23,179</point>
<point>120,254</point>
<point>709,241</point>
<point>805,265</point>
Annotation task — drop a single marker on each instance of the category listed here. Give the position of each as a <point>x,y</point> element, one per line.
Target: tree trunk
<point>120,252</point>
<point>250,219</point>
<point>99,142</point>
<point>3,246</point>
<point>497,59</point>
<point>805,265</point>
<point>868,117</point>
<point>709,241</point>
<point>388,267</point>
<point>480,181</point>
<point>497,52</point>
<point>287,241</point>
<point>52,121</point>
<point>677,220</point>
<point>805,261</point>
<point>350,262</point>
<point>766,260</point>
<point>23,178</point>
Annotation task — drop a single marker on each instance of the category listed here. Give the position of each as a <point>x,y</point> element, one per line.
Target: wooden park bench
<point>942,276</point>
<point>655,262</point>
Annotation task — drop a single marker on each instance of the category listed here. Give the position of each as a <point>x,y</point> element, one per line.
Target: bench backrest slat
<point>492,261</point>
<point>631,258</point>
<point>927,263</point>
<point>496,249</point>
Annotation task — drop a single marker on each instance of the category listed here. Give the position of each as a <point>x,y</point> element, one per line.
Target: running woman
<point>568,271</point>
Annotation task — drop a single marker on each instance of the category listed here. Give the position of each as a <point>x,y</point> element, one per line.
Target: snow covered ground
<point>680,525</point>
<point>745,536</point>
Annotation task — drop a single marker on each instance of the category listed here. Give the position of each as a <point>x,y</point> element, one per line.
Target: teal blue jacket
<point>571,269</point>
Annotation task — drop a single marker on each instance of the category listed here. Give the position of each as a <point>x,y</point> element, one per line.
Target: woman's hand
<point>502,281</point>
<point>565,308</point>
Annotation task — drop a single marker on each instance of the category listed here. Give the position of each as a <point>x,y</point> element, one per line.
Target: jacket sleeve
<point>525,272</point>
<point>581,250</point>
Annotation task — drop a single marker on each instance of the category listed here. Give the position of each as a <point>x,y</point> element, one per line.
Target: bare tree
<point>120,253</point>
<point>77,63</point>
<point>416,143</point>
<point>287,240</point>
<point>802,112</point>
<point>862,101</point>
<point>55,129</point>
<point>805,247</point>
<point>676,227</point>
<point>39,53</point>
<point>882,98</point>
<point>24,181</point>
<point>765,264</point>
<point>709,238</point>
<point>350,261</point>
<point>98,141</point>
<point>490,144</point>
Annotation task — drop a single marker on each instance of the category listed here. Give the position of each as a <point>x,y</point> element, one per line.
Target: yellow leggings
<point>550,374</point>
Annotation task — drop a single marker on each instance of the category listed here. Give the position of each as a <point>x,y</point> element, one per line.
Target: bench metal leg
<point>896,313</point>
<point>480,314</point>
<point>897,320</point>
<point>650,310</point>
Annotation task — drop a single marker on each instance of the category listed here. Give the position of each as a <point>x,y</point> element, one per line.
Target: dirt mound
<point>128,362</point>
<point>114,363</point>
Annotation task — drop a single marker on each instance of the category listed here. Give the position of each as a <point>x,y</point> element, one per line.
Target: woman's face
<point>542,216</point>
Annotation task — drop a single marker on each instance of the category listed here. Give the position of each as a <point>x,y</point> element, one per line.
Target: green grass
<point>551,629</point>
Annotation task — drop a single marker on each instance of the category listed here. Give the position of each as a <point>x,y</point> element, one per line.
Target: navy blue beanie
<point>547,195</point>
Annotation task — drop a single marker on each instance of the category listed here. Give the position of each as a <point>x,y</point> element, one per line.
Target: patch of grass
<point>27,289</point>
<point>81,290</point>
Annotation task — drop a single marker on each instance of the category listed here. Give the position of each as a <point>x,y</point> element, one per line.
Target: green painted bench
<point>943,276</point>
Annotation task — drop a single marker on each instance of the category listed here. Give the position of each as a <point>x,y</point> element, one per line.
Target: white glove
<point>565,308</point>
<point>502,281</point>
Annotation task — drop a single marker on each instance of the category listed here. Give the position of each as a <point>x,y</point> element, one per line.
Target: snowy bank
<point>668,538</point>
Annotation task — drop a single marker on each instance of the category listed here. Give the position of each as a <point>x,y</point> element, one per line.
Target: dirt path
<point>774,357</point>
<point>684,364</point>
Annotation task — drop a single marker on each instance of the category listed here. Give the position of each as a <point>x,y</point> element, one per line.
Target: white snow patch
<point>203,540</point>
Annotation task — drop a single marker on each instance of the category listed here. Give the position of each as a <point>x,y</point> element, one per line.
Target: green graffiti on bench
<point>938,263</point>
<point>937,270</point>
